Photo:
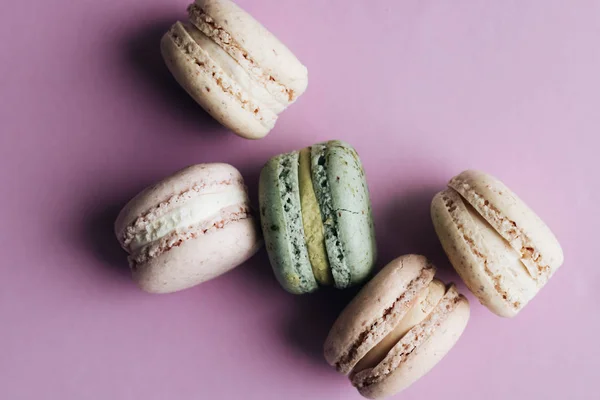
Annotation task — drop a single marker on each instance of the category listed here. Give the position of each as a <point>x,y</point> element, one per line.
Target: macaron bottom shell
<point>221,251</point>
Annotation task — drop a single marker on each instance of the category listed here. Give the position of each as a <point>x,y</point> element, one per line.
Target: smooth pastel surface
<point>89,116</point>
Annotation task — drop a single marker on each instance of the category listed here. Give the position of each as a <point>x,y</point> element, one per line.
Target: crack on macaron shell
<point>177,238</point>
<point>508,229</point>
<point>290,199</point>
<point>409,344</point>
<point>386,323</point>
<point>164,207</point>
<point>206,64</point>
<point>339,268</point>
<point>220,36</point>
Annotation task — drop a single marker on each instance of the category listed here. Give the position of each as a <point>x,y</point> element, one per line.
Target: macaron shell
<point>365,312</point>
<point>178,182</point>
<point>424,357</point>
<point>181,267</point>
<point>512,218</point>
<point>277,234</point>
<point>202,87</point>
<point>265,49</point>
<point>350,200</point>
<point>469,254</point>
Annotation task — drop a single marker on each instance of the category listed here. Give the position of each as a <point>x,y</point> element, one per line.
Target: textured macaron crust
<point>501,249</point>
<point>233,67</point>
<point>397,328</point>
<point>316,217</point>
<point>190,227</point>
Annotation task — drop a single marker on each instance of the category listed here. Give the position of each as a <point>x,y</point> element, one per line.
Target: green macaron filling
<point>335,251</point>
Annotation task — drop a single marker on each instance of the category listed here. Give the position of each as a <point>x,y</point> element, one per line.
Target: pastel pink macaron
<point>188,228</point>
<point>398,327</point>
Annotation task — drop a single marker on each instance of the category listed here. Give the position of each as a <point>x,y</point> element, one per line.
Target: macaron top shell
<point>252,45</point>
<point>346,207</point>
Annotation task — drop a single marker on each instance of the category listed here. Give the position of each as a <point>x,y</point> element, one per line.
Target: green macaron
<point>316,217</point>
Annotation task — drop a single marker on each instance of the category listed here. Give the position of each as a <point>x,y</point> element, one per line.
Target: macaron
<point>397,328</point>
<point>500,248</point>
<point>238,71</point>
<point>188,228</point>
<point>316,217</point>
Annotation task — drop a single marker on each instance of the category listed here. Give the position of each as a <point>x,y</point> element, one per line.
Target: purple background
<point>423,89</point>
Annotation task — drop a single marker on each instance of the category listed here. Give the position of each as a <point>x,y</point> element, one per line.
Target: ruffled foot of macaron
<point>316,218</point>
<point>500,248</point>
<point>188,228</point>
<point>398,327</point>
<point>233,67</point>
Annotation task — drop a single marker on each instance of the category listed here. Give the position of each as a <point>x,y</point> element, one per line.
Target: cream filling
<point>224,40</point>
<point>193,212</point>
<point>511,277</point>
<point>249,86</point>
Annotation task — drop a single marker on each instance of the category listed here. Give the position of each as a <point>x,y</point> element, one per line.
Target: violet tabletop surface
<point>89,116</point>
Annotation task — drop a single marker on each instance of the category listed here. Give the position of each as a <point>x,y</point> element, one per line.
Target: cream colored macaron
<point>233,67</point>
<point>398,327</point>
<point>501,249</point>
